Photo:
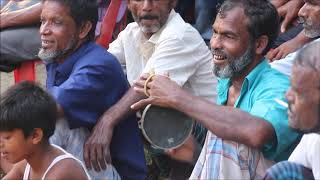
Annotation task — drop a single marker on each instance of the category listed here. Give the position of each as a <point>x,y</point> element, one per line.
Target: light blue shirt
<point>257,97</point>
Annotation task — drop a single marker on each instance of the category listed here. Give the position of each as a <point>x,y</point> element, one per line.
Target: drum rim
<point>148,138</point>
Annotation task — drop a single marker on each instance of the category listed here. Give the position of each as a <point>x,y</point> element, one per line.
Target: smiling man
<point>159,40</point>
<point>248,129</point>
<point>85,80</point>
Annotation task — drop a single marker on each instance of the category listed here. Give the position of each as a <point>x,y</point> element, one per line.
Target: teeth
<point>219,57</point>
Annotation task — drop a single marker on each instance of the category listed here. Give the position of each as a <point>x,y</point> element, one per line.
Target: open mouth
<point>46,43</point>
<point>218,59</point>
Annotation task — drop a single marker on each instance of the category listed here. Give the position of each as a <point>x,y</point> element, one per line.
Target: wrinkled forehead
<point>305,78</point>
<point>233,20</point>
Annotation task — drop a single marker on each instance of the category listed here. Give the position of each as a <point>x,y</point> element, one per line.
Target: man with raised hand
<point>248,129</point>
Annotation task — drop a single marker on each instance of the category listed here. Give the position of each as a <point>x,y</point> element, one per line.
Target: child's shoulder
<point>67,168</point>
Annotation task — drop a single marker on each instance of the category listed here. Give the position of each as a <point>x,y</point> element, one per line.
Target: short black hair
<point>27,106</point>
<point>263,18</point>
<point>82,11</point>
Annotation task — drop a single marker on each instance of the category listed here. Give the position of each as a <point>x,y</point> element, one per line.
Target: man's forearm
<point>27,16</point>
<point>226,122</point>
<point>121,109</point>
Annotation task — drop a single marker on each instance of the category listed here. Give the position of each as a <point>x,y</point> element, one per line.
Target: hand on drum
<point>159,89</point>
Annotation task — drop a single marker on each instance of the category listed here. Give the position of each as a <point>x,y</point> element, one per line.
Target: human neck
<point>237,80</point>
<point>148,35</point>
<point>61,59</point>
<point>41,157</point>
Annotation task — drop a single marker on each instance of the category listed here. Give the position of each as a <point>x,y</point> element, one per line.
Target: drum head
<point>165,128</point>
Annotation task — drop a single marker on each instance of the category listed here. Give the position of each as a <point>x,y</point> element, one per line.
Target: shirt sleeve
<point>116,49</point>
<point>299,155</point>
<point>88,91</point>
<point>174,57</point>
<point>284,65</point>
<point>308,157</point>
<point>267,109</point>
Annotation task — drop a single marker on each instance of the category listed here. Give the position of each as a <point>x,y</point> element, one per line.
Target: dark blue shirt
<point>86,84</point>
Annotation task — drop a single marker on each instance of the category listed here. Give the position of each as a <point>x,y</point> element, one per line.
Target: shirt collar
<point>224,84</point>
<point>66,67</point>
<point>155,37</point>
<point>254,74</point>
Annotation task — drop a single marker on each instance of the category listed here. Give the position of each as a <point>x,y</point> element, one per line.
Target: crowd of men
<point>236,90</point>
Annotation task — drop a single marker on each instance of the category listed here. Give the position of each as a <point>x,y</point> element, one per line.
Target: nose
<point>290,96</point>
<point>215,42</point>
<point>44,29</point>
<point>147,5</point>
<point>1,143</point>
<point>303,11</point>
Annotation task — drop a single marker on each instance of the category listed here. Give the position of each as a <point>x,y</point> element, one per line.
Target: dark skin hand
<point>289,11</point>
<point>288,47</point>
<point>226,122</point>
<point>97,146</point>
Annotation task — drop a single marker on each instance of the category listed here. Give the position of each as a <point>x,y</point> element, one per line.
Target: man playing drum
<point>158,40</point>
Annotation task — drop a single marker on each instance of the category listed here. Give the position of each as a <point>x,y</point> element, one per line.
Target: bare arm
<point>17,171</point>
<point>74,171</point>
<point>288,47</point>
<point>226,122</point>
<point>26,16</point>
<point>96,148</point>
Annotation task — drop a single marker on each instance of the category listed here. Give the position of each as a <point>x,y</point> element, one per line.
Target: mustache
<point>304,21</point>
<point>218,52</point>
<point>148,17</point>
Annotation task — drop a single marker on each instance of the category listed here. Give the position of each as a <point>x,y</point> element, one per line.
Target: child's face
<point>13,145</point>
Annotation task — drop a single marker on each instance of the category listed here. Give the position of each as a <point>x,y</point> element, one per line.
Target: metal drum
<point>165,128</point>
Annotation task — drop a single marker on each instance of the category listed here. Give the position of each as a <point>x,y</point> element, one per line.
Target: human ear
<point>261,43</point>
<point>36,136</point>
<point>85,29</point>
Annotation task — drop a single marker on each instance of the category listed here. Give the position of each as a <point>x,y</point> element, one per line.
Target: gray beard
<point>310,30</point>
<point>49,56</point>
<point>153,29</point>
<point>236,65</point>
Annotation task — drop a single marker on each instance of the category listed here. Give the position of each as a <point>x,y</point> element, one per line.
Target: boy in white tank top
<point>27,119</point>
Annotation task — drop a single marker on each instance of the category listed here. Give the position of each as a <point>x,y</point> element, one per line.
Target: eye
<point>5,137</point>
<point>230,36</point>
<point>58,22</point>
<point>42,21</point>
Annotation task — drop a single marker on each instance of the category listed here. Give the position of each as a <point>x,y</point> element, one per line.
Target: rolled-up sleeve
<point>269,110</point>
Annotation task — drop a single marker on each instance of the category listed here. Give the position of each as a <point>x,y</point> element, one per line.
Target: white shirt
<point>177,48</point>
<point>307,153</point>
<point>285,65</point>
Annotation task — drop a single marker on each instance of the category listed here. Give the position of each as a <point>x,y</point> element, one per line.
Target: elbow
<point>256,143</point>
<point>261,136</point>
